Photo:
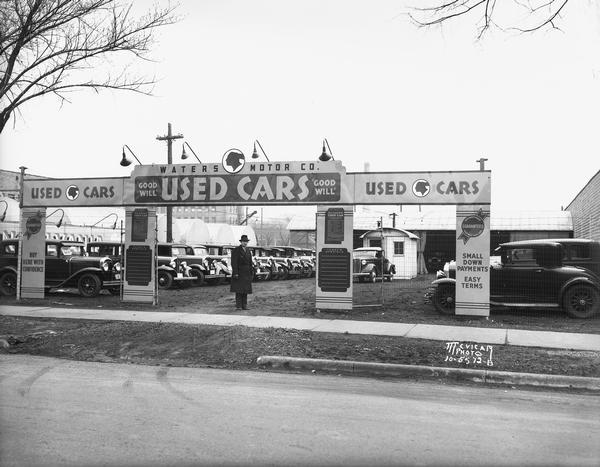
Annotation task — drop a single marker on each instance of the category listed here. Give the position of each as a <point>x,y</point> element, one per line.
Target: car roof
<point>369,248</point>
<point>530,243</point>
<point>104,243</point>
<point>566,241</point>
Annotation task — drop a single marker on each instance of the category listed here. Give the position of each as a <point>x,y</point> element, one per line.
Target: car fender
<point>444,280</point>
<point>578,281</point>
<point>166,268</point>
<point>73,277</point>
<point>367,268</point>
<point>6,269</point>
<point>198,267</point>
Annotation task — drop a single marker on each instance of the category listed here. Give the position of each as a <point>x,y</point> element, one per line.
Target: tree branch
<point>46,44</point>
<point>440,12</point>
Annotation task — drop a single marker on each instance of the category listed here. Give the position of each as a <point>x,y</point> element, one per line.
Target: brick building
<point>585,210</point>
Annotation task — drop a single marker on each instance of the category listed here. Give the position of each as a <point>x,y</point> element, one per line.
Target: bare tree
<point>52,46</point>
<point>517,15</point>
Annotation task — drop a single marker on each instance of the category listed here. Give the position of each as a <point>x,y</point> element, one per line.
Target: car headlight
<point>117,267</point>
<point>173,264</point>
<point>106,266</point>
<point>363,262</point>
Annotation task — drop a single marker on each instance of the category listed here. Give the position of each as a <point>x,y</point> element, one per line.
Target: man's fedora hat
<point>244,238</point>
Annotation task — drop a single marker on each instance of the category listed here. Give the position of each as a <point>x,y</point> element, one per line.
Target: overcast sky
<point>360,74</point>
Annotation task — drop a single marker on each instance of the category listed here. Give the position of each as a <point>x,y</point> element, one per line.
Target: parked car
<point>260,271</point>
<point>531,274</point>
<point>200,250</point>
<point>449,269</point>
<point>370,263</point>
<point>114,250</point>
<point>435,260</point>
<point>580,252</point>
<point>281,263</point>
<point>66,265</point>
<point>296,267</point>
<point>266,263</point>
<point>309,261</point>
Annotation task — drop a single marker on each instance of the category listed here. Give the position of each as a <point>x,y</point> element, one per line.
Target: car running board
<point>525,305</point>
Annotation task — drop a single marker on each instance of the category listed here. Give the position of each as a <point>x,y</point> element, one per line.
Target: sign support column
<point>473,260</point>
<point>31,269</point>
<point>334,257</point>
<point>139,281</point>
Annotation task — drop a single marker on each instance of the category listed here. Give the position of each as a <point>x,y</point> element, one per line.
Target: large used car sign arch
<point>256,183</point>
<point>326,184</point>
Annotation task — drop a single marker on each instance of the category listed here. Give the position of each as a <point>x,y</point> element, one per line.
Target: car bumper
<point>111,283</point>
<point>215,276</point>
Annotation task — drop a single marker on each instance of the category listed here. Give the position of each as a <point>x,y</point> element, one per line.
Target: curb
<point>452,374</point>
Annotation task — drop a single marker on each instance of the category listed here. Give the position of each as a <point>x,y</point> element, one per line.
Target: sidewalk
<point>546,339</point>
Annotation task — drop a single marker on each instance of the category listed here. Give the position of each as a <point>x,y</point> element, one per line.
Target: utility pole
<point>21,180</point>
<point>481,163</point>
<point>169,137</point>
<point>393,216</point>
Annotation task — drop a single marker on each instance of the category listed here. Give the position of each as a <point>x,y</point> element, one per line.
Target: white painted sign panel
<point>334,257</point>
<point>72,192</point>
<point>32,253</point>
<point>466,187</point>
<point>473,260</point>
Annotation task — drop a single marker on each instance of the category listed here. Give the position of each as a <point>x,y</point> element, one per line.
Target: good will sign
<point>181,185</point>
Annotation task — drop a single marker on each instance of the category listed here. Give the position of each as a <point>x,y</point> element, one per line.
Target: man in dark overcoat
<point>242,273</point>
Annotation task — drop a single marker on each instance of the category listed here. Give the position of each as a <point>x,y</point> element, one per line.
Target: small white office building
<point>399,246</point>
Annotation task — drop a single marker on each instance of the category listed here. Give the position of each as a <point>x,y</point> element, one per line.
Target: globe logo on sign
<point>33,224</point>
<point>233,161</point>
<point>72,192</point>
<point>421,188</point>
<point>473,225</point>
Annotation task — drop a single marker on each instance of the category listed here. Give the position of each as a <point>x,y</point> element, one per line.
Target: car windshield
<point>72,250</point>
<point>181,250</point>
<point>200,251</point>
<point>104,250</point>
<point>367,254</point>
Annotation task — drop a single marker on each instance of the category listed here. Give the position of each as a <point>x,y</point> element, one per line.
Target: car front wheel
<point>165,280</point>
<point>444,299</point>
<point>8,283</point>
<point>199,277</point>
<point>581,301</point>
<point>89,285</point>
